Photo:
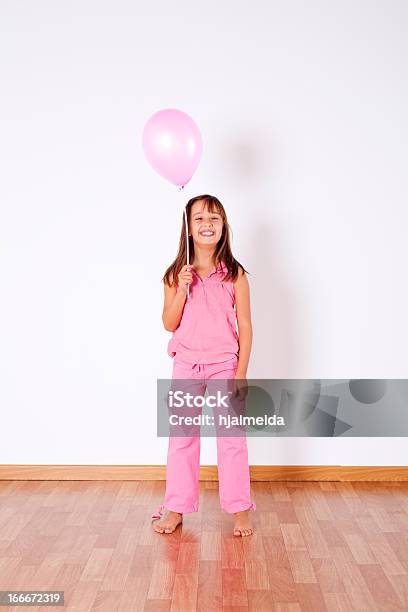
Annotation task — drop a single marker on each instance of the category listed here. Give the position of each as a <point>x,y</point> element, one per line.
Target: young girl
<point>205,345</point>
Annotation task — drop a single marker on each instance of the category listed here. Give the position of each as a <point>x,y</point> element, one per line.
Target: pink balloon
<point>172,144</point>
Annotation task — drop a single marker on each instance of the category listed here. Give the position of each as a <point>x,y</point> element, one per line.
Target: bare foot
<point>168,523</point>
<point>243,526</point>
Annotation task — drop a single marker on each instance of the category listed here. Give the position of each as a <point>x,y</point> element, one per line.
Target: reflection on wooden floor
<point>317,546</point>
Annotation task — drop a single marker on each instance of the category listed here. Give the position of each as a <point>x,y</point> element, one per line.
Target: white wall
<point>302,107</point>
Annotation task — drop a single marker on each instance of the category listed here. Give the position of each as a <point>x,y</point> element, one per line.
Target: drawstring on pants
<point>158,513</point>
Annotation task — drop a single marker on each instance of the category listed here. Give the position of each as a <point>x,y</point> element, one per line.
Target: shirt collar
<point>220,268</point>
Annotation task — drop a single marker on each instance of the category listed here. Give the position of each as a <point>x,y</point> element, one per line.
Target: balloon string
<point>187,241</point>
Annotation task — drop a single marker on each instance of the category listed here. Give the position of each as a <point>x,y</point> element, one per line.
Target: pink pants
<point>183,457</point>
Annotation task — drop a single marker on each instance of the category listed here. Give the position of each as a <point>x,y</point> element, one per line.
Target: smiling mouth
<point>207,234</point>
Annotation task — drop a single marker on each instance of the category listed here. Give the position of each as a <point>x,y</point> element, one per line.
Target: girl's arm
<point>242,300</point>
<point>173,306</point>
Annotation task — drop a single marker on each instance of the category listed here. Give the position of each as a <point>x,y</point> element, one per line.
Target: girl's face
<point>205,226</point>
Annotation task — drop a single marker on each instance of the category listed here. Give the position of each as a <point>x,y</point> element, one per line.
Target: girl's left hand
<point>240,387</point>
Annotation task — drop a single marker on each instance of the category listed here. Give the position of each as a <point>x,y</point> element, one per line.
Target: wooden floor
<point>317,546</point>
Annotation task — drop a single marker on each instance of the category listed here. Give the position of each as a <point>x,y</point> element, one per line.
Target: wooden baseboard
<point>258,473</point>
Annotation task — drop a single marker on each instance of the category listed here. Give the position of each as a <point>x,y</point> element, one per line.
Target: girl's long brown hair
<point>222,252</point>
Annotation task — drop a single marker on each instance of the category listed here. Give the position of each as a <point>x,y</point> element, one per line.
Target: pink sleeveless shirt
<point>207,331</point>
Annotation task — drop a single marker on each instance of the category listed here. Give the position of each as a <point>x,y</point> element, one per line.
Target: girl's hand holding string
<point>185,277</point>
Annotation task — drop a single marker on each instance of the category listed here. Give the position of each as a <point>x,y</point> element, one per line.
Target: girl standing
<point>205,345</point>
